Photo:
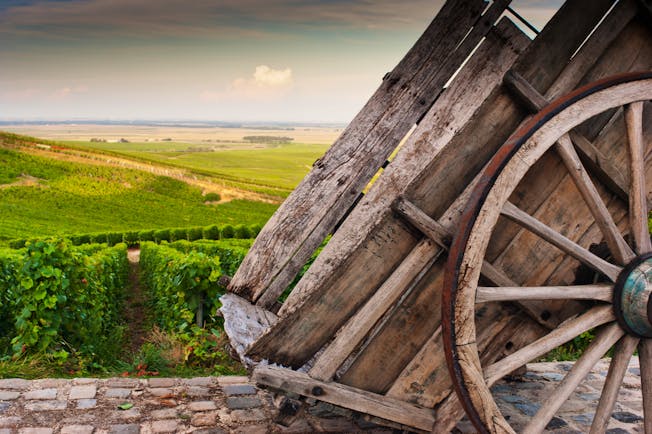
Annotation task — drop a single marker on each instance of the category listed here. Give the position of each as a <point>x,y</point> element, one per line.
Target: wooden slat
<point>445,178</point>
<point>354,331</point>
<point>325,195</point>
<point>574,292</point>
<point>560,241</point>
<point>595,161</point>
<point>333,288</point>
<point>358,400</point>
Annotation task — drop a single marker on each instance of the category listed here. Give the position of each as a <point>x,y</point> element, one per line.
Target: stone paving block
<point>124,429</point>
<point>242,402</point>
<point>213,430</point>
<point>8,395</point>
<point>120,393</point>
<point>41,394</point>
<point>200,381</point>
<point>85,404</point>
<point>162,426</point>
<point>83,392</point>
<point>83,381</point>
<point>252,415</point>
<point>46,405</point>
<point>4,406</point>
<point>202,406</point>
<point>49,383</point>
<point>166,413</point>
<point>77,429</point>
<point>252,429</point>
<point>9,422</point>
<point>161,382</point>
<point>132,413</point>
<point>239,389</point>
<point>122,382</point>
<point>204,419</point>
<point>36,430</point>
<point>626,417</point>
<point>198,391</point>
<point>14,383</point>
<point>160,391</point>
<point>232,379</point>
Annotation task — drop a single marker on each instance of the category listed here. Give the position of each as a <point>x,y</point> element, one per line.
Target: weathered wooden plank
<point>354,331</point>
<point>359,400</point>
<point>285,244</point>
<point>337,297</point>
<point>440,181</point>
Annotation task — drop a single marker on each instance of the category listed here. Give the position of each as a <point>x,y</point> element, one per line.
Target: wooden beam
<point>312,210</point>
<point>345,396</point>
<point>596,163</point>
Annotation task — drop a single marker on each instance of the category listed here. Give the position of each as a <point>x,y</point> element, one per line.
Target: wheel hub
<point>632,297</point>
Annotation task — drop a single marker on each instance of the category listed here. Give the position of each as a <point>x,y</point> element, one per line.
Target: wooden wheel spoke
<point>617,245</point>
<point>637,192</point>
<point>555,238</point>
<point>600,345</point>
<point>562,334</point>
<point>617,369</point>
<point>600,292</point>
<point>645,360</point>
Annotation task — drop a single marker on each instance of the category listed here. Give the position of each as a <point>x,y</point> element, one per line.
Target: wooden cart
<point>500,226</point>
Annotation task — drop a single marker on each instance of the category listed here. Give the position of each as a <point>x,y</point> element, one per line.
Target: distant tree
<point>275,140</point>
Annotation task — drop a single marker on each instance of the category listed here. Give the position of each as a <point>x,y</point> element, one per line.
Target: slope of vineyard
<point>42,196</point>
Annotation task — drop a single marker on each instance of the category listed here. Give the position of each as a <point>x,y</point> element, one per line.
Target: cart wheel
<point>619,308</point>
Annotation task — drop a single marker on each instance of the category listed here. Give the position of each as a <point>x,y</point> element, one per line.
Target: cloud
<point>264,84</point>
<point>67,91</point>
<point>21,94</point>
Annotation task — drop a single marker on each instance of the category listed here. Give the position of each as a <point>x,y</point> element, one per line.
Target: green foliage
<point>131,238</point>
<point>241,232</point>
<point>212,197</point>
<point>231,252</point>
<point>65,300</point>
<point>255,230</point>
<point>162,235</point>
<point>178,234</point>
<point>114,238</point>
<point>64,198</point>
<point>227,232</point>
<point>99,238</point>
<point>146,236</point>
<point>195,233</point>
<point>17,244</point>
<point>211,232</point>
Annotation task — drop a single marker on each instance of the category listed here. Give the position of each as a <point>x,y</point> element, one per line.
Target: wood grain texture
<point>330,292</point>
<point>645,360</point>
<point>617,368</point>
<point>638,209</point>
<point>319,202</point>
<point>358,400</point>
<point>604,339</point>
<point>574,292</point>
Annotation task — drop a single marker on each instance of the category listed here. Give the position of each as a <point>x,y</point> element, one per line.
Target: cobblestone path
<point>214,405</point>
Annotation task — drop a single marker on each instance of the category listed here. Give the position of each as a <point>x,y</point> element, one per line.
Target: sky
<point>220,60</point>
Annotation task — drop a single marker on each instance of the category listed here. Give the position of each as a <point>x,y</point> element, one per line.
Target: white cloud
<point>264,84</point>
<point>67,91</point>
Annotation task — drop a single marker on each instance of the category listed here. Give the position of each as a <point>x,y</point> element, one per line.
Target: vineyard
<point>48,197</point>
<point>62,308</point>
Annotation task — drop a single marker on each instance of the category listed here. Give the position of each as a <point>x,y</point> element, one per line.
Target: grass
<point>279,167</point>
<point>45,197</point>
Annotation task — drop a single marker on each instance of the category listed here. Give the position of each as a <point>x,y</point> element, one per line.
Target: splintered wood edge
<point>345,396</point>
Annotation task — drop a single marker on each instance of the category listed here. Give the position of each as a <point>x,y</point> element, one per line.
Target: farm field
<point>42,196</point>
<point>268,168</point>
